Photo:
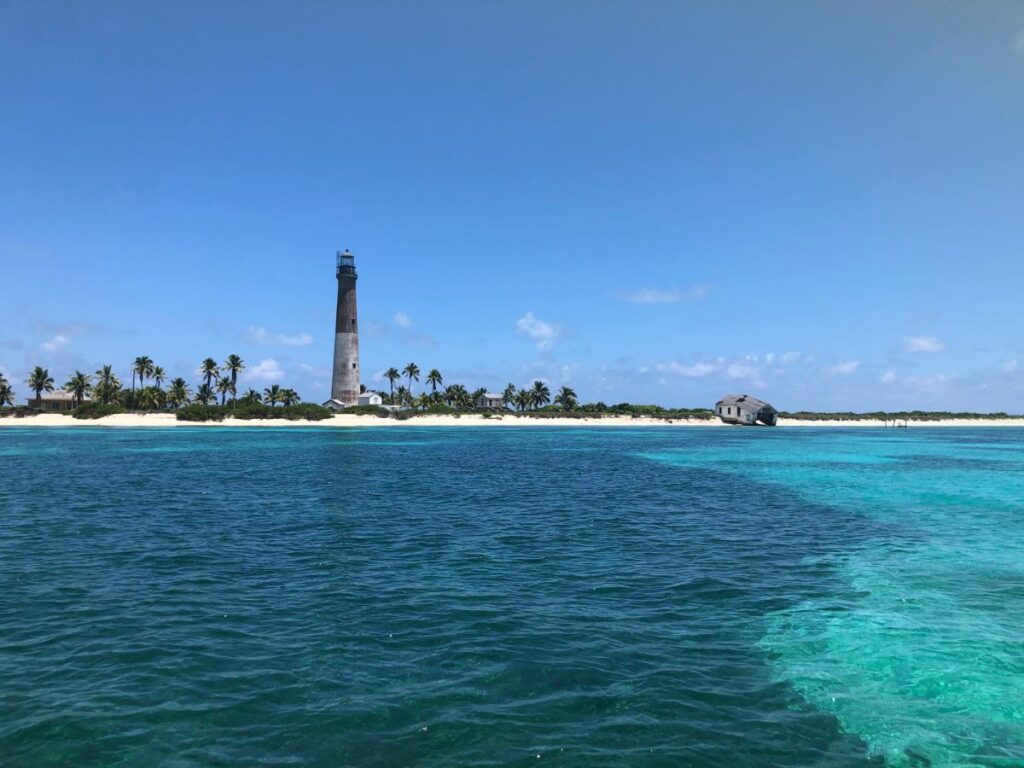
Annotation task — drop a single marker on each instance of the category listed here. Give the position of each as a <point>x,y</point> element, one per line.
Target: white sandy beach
<point>466,420</point>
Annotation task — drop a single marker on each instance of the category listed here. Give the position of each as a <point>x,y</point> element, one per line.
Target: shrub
<point>250,410</point>
<point>18,411</point>
<point>307,411</point>
<point>200,412</point>
<point>366,410</point>
<point>97,410</point>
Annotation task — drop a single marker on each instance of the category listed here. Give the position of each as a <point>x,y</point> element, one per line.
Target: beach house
<point>56,401</point>
<point>744,409</point>
<point>490,401</point>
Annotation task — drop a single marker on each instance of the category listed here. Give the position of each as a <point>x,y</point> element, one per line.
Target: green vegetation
<point>40,381</point>
<point>6,392</point>
<point>253,411</point>
<point>18,412</point>
<point>201,412</point>
<point>97,410</point>
<point>79,386</point>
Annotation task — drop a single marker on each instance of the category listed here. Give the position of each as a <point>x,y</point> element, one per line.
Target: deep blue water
<point>456,597</point>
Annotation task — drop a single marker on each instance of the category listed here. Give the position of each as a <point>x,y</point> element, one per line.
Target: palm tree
<point>477,394</point>
<point>566,398</point>
<point>423,401</point>
<point>79,386</point>
<point>177,393</point>
<point>224,387</point>
<point>392,375</point>
<point>509,395</point>
<point>412,371</point>
<point>522,400</point>
<point>289,397</point>
<point>6,392</point>
<point>252,396</point>
<point>107,386</point>
<point>540,394</point>
<point>456,396</point>
<point>39,381</point>
<point>401,396</point>
<point>434,379</point>
<point>272,395</point>
<point>233,366</point>
<point>159,376</point>
<point>152,399</point>
<point>143,366</point>
<point>205,394</point>
<point>208,369</point>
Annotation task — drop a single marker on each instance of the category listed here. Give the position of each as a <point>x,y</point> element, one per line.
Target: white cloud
<point>257,334</point>
<point>56,342</point>
<point>670,296</point>
<point>543,334</point>
<point>694,371</point>
<point>844,368</point>
<point>267,369</point>
<point>739,371</point>
<point>888,377</point>
<point>923,344</point>
<point>1010,366</point>
<point>402,320</point>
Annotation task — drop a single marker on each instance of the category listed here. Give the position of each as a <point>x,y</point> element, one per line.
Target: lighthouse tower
<point>345,382</point>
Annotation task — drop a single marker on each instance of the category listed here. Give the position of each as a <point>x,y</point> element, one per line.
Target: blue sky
<point>820,203</point>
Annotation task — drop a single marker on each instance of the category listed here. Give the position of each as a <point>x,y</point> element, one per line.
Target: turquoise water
<point>397,597</point>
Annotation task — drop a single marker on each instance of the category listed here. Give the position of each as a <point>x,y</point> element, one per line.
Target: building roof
<point>57,394</point>
<point>490,396</point>
<point>744,401</point>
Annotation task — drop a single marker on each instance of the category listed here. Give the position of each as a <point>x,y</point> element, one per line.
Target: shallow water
<point>234,597</point>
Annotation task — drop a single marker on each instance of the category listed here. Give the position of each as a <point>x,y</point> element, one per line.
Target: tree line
<point>218,380</point>
<point>531,398</point>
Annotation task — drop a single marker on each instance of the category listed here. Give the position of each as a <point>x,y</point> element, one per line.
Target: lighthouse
<point>345,382</point>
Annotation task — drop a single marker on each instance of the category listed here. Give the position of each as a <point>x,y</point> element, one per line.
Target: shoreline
<point>343,421</point>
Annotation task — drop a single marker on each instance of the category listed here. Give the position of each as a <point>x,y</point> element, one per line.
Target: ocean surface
<point>492,597</point>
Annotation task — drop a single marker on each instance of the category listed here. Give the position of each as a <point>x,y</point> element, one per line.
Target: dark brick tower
<point>345,382</point>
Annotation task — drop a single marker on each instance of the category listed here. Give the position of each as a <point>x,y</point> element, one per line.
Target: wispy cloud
<point>692,371</point>
<point>257,334</point>
<point>543,334</point>
<point>59,341</point>
<point>888,377</point>
<point>923,344</point>
<point>1010,366</point>
<point>267,369</point>
<point>663,296</point>
<point>843,368</point>
<point>402,320</point>
<point>1017,43</point>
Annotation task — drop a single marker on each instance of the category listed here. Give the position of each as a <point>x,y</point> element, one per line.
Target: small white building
<point>369,398</point>
<point>364,398</point>
<point>490,401</point>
